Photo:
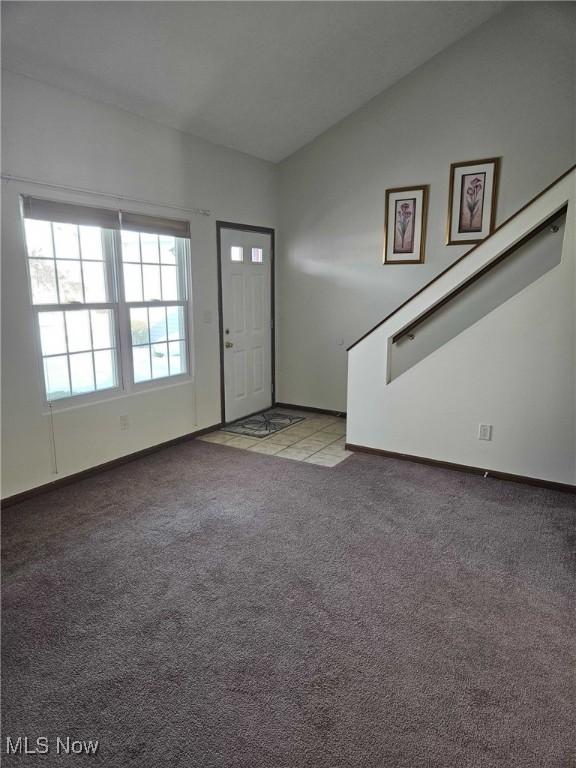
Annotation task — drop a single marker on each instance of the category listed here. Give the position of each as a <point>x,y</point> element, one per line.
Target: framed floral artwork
<point>472,200</point>
<point>405,215</point>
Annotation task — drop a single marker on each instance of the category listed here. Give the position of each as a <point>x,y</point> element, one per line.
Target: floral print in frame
<point>472,200</point>
<point>405,225</point>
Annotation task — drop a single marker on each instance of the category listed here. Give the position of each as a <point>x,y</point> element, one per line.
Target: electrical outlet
<point>124,423</point>
<point>485,432</point>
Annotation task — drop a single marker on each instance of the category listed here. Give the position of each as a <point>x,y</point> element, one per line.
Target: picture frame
<point>472,200</point>
<point>405,219</point>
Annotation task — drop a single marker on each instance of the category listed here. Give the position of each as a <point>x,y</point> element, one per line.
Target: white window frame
<point>127,362</point>
<point>126,386</point>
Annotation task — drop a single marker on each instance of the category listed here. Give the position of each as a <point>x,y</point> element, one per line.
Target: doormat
<point>262,424</point>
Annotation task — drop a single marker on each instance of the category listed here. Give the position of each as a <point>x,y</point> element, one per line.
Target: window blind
<point>69,213</point>
<point>155,225</point>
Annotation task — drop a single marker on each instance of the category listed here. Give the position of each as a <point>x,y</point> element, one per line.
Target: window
<point>236,253</point>
<point>155,291</point>
<point>78,352</point>
<point>257,255</point>
<point>109,291</point>
<point>66,263</point>
<point>70,286</point>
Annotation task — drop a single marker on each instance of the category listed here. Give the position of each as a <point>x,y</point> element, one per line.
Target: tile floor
<point>319,439</point>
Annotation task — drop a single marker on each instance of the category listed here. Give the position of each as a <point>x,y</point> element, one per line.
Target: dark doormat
<point>262,424</point>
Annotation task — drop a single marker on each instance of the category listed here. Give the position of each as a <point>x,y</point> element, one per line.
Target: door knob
<point>228,344</point>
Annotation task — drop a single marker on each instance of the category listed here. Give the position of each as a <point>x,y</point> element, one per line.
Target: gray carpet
<point>206,607</point>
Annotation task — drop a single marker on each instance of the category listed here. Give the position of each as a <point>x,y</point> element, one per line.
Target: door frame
<point>220,225</point>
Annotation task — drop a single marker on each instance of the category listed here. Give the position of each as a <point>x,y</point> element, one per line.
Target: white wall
<point>507,89</point>
<point>55,136</point>
<point>514,369</point>
<point>527,264</point>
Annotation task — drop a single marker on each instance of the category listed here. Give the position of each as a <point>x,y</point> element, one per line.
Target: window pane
<point>153,357</point>
<point>157,323</point>
<point>38,238</point>
<point>141,360</point>
<point>133,282</point>
<point>82,373</point>
<point>69,281</point>
<point>175,322</point>
<point>151,282</point>
<point>159,361</point>
<point>56,377</point>
<point>149,246</point>
<point>78,330</point>
<point>94,282</point>
<point>257,255</point>
<point>74,326</point>
<point>66,279</point>
<point>66,241</point>
<point>236,253</point>
<point>167,249</point>
<point>105,369</point>
<point>102,333</point>
<point>139,325</point>
<point>170,283</point>
<point>52,336</point>
<point>91,243</point>
<point>130,246</point>
<point>177,357</point>
<point>43,281</point>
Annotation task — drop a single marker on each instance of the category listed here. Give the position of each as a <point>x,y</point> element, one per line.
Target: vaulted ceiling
<point>261,77</point>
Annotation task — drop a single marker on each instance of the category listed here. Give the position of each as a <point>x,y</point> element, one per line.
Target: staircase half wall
<point>514,369</point>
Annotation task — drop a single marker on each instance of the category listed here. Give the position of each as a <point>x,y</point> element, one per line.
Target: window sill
<point>114,395</point>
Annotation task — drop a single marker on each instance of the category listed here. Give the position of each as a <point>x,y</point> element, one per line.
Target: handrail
<point>454,263</point>
<point>478,275</point>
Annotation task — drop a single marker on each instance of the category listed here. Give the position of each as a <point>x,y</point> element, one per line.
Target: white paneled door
<point>247,323</point>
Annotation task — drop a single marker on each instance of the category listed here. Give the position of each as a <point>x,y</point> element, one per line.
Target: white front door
<point>246,321</point>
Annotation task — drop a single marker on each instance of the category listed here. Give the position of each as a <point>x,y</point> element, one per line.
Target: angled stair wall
<point>514,368</point>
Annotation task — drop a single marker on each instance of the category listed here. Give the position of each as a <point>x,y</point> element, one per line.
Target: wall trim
<point>311,409</point>
<point>121,460</point>
<point>99,468</point>
<point>492,473</point>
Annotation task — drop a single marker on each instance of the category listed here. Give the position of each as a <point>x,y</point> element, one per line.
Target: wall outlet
<point>124,423</point>
<point>485,432</point>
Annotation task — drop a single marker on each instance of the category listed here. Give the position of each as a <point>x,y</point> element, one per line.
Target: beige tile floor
<point>319,439</point>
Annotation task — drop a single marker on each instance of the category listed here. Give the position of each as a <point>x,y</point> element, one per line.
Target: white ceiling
<point>261,77</point>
